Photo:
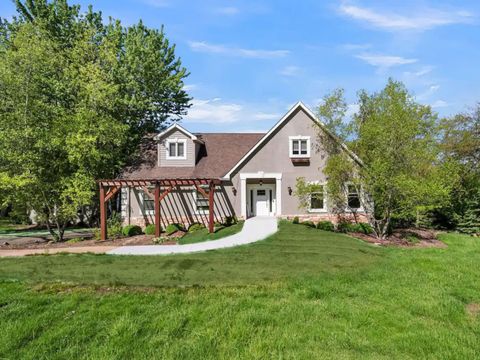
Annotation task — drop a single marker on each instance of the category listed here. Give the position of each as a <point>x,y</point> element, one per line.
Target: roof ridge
<point>229,133</point>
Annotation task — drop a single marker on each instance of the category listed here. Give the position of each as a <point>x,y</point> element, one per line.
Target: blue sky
<point>251,60</point>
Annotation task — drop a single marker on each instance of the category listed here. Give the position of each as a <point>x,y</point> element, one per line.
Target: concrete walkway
<point>254,229</point>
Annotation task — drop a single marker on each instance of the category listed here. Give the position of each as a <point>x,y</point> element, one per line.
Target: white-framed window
<point>176,149</point>
<point>299,146</point>
<point>201,203</point>
<point>318,199</point>
<point>148,203</point>
<point>353,197</point>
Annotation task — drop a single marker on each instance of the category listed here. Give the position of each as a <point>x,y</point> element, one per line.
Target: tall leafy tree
<point>76,98</point>
<point>397,171</point>
<point>461,144</point>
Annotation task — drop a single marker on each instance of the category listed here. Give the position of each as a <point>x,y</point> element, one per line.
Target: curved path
<point>254,229</point>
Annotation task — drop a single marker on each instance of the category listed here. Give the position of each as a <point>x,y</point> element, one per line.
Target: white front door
<point>262,202</point>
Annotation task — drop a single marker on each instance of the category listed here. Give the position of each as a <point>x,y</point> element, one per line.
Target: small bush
<point>343,227</point>
<point>20,215</point>
<point>150,229</point>
<point>326,225</point>
<point>159,240</point>
<point>296,220</point>
<point>230,220</point>
<point>412,238</point>
<point>195,227</point>
<point>346,227</point>
<point>114,225</point>
<point>357,228</point>
<point>367,228</point>
<point>171,228</point>
<point>308,223</point>
<point>131,230</point>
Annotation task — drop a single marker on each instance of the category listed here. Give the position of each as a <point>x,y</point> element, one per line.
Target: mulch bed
<point>426,238</point>
<point>41,243</point>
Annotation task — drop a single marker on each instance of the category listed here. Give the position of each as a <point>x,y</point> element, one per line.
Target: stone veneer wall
<point>144,221</point>
<point>327,217</point>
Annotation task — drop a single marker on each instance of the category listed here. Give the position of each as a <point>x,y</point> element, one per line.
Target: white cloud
<point>385,61</point>
<point>290,70</point>
<point>429,92</point>
<point>266,116</point>
<point>190,87</point>
<point>353,47</point>
<point>424,19</point>
<point>439,104</point>
<point>419,73</point>
<point>157,3</point>
<point>213,111</point>
<point>228,10</point>
<point>202,46</point>
<point>229,113</point>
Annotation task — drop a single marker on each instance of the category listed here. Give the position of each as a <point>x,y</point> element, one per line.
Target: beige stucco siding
<point>271,157</point>
<point>274,157</point>
<point>189,150</point>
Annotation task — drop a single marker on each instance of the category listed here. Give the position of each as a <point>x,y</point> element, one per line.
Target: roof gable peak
<point>176,126</point>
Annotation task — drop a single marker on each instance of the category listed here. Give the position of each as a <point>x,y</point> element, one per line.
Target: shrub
<point>230,220</point>
<point>19,215</point>
<point>363,228</point>
<point>159,240</point>
<point>131,230</point>
<point>367,228</point>
<point>296,220</point>
<point>171,228</point>
<point>343,226</point>
<point>355,228</point>
<point>150,229</point>
<point>195,227</point>
<point>308,223</point>
<point>326,225</point>
<point>412,238</point>
<point>114,225</point>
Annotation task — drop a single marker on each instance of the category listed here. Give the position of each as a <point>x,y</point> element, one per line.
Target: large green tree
<point>398,170</point>
<point>76,98</point>
<point>461,144</point>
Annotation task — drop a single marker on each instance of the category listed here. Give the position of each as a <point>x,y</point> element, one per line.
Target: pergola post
<point>103,214</point>
<point>158,225</point>
<point>211,206</point>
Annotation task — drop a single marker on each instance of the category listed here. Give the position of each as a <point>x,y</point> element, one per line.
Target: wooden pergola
<point>108,189</point>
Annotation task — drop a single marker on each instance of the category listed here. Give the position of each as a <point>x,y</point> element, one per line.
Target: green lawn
<point>204,235</point>
<point>301,294</point>
<point>6,225</point>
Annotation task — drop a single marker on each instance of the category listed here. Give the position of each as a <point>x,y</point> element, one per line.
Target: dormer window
<point>176,149</point>
<point>299,146</point>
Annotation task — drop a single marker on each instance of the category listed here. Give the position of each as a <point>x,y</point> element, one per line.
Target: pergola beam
<point>211,207</point>
<point>115,186</point>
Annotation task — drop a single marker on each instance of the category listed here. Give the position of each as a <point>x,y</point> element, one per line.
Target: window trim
<point>319,210</point>
<point>145,196</point>
<point>195,198</point>
<point>175,141</point>
<point>291,139</point>
<point>347,207</point>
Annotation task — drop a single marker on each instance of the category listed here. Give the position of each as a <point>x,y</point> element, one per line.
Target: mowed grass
<point>203,234</point>
<point>301,294</point>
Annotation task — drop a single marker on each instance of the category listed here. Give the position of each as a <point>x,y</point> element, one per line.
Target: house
<point>255,174</point>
